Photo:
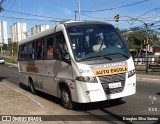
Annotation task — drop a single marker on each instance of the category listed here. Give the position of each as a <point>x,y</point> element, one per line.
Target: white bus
<point>79,62</point>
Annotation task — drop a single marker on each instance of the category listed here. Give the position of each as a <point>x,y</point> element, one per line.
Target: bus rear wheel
<point>33,90</point>
<point>66,98</point>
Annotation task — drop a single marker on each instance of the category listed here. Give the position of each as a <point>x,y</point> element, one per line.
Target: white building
<point>3,32</point>
<point>18,31</point>
<point>38,28</point>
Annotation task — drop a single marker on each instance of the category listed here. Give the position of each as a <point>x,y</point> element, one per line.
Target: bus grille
<point>105,80</point>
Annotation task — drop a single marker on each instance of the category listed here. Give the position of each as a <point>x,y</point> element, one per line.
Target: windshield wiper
<point>104,56</point>
<point>120,54</point>
<point>107,57</point>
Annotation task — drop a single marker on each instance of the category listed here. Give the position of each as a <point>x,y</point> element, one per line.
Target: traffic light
<point>146,41</point>
<point>116,17</point>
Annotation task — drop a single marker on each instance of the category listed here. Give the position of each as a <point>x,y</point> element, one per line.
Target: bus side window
<point>21,52</point>
<point>61,47</point>
<point>50,48</point>
<point>30,51</point>
<point>33,50</point>
<point>25,51</point>
<point>39,49</point>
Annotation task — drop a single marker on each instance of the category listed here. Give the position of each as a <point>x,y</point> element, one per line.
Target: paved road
<point>145,102</point>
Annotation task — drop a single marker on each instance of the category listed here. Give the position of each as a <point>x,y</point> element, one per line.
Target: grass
<point>9,58</point>
<point>11,61</point>
<point>153,71</point>
<point>140,67</point>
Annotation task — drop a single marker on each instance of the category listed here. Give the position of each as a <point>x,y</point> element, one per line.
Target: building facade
<point>3,32</point>
<point>18,31</point>
<point>39,28</point>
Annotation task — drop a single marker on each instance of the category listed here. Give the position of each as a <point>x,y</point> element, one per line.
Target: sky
<point>132,13</point>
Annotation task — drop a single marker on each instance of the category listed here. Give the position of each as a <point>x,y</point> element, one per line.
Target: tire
<point>66,98</point>
<point>33,91</point>
<point>118,100</point>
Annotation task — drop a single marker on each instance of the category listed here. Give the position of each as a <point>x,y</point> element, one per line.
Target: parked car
<point>1,60</point>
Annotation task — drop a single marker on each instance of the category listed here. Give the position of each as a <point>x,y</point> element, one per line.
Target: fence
<point>148,64</point>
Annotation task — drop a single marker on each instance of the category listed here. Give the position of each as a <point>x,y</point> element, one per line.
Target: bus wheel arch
<point>65,96</point>
<point>31,85</point>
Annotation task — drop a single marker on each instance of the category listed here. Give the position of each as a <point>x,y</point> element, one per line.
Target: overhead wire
<point>30,14</point>
<point>118,7</point>
<point>9,8</point>
<point>7,3</point>
<point>29,19</point>
<point>2,1</point>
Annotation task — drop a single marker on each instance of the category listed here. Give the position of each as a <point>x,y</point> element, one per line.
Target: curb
<point>16,65</point>
<point>148,79</point>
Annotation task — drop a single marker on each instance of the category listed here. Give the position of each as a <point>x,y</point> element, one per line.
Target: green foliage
<point>136,37</point>
<point>4,47</point>
<point>1,8</point>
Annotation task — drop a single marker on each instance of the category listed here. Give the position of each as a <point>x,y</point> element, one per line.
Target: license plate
<point>115,85</point>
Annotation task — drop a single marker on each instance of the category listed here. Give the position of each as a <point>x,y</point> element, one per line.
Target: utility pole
<point>79,13</point>
<point>146,27</point>
<point>75,15</point>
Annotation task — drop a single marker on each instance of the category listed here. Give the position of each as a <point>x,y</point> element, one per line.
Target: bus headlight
<point>87,79</point>
<point>131,73</point>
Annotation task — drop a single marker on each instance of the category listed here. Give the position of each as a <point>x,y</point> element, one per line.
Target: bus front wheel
<point>66,98</point>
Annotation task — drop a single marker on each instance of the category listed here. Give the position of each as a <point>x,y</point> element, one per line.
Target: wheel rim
<point>65,97</point>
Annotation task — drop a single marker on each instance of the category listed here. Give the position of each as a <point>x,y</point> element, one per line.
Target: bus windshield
<point>96,40</point>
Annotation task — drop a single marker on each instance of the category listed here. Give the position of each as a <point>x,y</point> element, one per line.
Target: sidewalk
<point>13,102</point>
<point>22,107</point>
<point>148,77</point>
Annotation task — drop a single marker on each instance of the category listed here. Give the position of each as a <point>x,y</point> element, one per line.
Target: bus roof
<point>57,28</point>
<point>38,35</point>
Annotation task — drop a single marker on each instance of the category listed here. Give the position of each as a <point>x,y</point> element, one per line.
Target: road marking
<point>148,79</point>
<point>10,66</point>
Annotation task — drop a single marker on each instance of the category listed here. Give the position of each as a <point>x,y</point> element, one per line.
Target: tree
<point>4,47</point>
<point>136,38</point>
<point>153,36</point>
<point>13,49</point>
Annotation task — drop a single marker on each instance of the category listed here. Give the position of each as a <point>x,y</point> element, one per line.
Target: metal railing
<point>147,64</point>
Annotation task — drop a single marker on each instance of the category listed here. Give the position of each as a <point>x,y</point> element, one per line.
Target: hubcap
<point>65,97</point>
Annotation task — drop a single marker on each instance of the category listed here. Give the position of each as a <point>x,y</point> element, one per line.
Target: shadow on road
<point>24,87</point>
<point>98,105</point>
<point>158,93</point>
<point>2,78</point>
<point>41,94</point>
<point>79,106</point>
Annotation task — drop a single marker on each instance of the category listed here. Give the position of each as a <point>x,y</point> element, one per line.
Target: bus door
<point>62,68</point>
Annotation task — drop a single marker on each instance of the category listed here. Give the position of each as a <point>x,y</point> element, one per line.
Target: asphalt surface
<point>18,101</point>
